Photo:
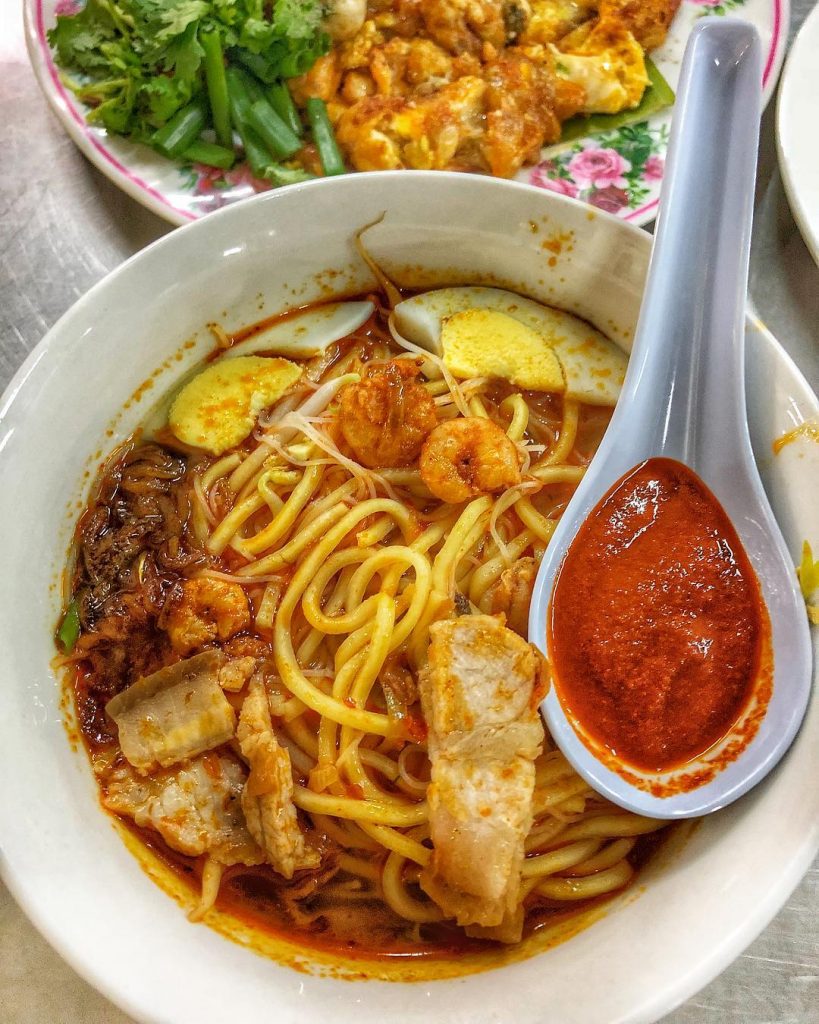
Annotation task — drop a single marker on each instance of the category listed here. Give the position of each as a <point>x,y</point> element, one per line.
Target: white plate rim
<point>100,156</point>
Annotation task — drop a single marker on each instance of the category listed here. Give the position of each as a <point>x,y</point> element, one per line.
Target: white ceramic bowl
<point>62,859</point>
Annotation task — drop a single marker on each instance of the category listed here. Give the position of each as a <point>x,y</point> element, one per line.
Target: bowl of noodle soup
<point>306,563</point>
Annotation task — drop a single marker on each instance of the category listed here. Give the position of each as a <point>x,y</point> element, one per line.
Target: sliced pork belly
<point>480,693</point>
<point>267,798</point>
<point>196,808</point>
<point>174,714</point>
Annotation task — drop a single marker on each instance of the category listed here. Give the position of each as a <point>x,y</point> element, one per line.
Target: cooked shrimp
<point>468,456</point>
<point>207,610</point>
<point>386,417</point>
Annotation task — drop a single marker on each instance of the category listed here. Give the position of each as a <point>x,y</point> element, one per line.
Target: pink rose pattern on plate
<point>215,189</point>
<point>563,186</point>
<point>598,168</point>
<point>617,171</point>
<point>654,168</point>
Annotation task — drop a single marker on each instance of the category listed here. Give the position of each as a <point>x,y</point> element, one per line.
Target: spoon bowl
<point>683,398</point>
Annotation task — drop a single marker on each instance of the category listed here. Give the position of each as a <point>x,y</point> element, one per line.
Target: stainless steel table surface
<point>63,226</point>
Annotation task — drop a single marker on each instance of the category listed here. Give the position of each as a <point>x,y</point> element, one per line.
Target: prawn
<point>468,456</point>
<point>386,417</point>
<point>207,610</point>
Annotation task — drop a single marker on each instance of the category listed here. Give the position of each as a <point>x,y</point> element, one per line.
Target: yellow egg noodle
<point>347,567</point>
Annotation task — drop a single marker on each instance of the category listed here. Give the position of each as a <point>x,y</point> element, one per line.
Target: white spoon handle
<point>684,398</point>
<point>687,362</point>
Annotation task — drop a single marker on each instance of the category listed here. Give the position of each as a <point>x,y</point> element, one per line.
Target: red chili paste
<point>657,620</point>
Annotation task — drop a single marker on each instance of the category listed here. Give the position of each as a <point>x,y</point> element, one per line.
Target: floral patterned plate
<point>619,171</point>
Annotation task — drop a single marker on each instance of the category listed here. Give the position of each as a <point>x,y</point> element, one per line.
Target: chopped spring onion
<point>252,85</point>
<point>182,130</point>
<point>275,134</point>
<point>239,100</point>
<point>280,175</point>
<point>263,166</point>
<point>281,101</point>
<point>257,154</point>
<point>210,154</point>
<point>255,64</point>
<point>69,631</point>
<point>217,87</point>
<point>324,137</point>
